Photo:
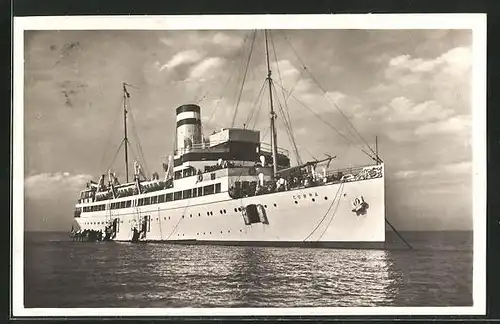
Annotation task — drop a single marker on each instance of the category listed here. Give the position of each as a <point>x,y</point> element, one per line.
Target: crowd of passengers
<point>299,179</point>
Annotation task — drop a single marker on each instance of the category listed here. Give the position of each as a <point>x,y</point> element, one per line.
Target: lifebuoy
<point>252,171</point>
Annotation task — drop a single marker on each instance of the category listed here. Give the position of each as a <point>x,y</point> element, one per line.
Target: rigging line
<point>328,124</point>
<point>134,131</point>
<point>325,93</point>
<point>258,110</point>
<point>116,154</point>
<point>220,98</point>
<point>326,214</point>
<point>111,133</point>
<point>281,81</point>
<point>288,128</point>
<point>331,219</point>
<point>244,77</point>
<point>252,111</point>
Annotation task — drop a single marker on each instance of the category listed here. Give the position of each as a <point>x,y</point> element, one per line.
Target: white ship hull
<point>317,216</point>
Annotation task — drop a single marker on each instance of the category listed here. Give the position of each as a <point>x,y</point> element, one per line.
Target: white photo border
<point>474,22</point>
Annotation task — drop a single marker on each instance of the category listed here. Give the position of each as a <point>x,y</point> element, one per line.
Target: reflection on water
<point>71,274</point>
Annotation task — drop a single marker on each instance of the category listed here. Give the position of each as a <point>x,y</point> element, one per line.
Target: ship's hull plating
<point>322,216</point>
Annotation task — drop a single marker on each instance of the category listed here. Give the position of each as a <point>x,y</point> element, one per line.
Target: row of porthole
<point>210,233</point>
<point>222,211</point>
<point>240,209</point>
<point>313,200</point>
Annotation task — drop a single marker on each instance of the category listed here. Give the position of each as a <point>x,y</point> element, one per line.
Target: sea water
<point>60,273</point>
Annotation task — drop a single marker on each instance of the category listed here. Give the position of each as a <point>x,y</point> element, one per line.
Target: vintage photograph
<point>249,168</point>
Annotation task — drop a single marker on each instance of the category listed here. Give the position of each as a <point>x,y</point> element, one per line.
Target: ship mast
<point>274,144</point>
<point>126,95</point>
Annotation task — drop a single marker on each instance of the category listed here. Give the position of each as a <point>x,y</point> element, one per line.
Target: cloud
<point>401,109</point>
<point>454,124</point>
<point>184,57</point>
<point>224,39</point>
<point>46,185</point>
<point>206,67</point>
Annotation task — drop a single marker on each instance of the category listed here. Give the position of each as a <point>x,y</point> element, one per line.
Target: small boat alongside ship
<point>233,189</point>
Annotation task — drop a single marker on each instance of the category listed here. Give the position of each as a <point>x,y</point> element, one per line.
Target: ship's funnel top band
<point>187,108</point>
<point>188,121</point>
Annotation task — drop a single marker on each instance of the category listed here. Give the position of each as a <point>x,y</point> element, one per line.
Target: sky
<point>410,88</point>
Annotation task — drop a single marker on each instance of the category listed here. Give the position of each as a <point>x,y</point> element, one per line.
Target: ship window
<point>200,191</point>
<point>217,187</point>
<point>161,198</point>
<point>212,176</point>
<point>195,192</point>
<point>147,200</point>
<point>186,194</point>
<point>177,175</point>
<point>237,185</point>
<point>208,190</point>
<point>140,201</point>
<point>122,204</point>
<point>154,199</point>
<point>168,197</point>
<point>187,172</point>
<point>178,195</point>
<point>128,203</point>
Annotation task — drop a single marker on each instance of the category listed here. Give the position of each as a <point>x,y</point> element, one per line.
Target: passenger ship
<point>232,189</point>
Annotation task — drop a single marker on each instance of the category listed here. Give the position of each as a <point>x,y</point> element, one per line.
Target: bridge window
<point>195,192</point>
<point>128,203</point>
<point>169,197</point>
<point>154,199</point>
<point>147,200</point>
<point>177,175</point>
<point>208,190</point>
<point>122,204</point>
<point>161,198</point>
<point>178,195</point>
<point>186,194</point>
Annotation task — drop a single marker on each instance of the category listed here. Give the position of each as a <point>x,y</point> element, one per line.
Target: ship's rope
<point>244,78</point>
<point>282,91</point>
<point>116,154</point>
<point>288,128</point>
<point>331,219</point>
<point>326,214</point>
<point>327,123</point>
<point>180,219</point>
<point>106,146</point>
<point>252,111</point>
<point>325,93</point>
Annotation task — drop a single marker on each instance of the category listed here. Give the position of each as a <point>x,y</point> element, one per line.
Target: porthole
<point>199,215</point>
<point>210,232</point>
<point>275,205</point>
<point>229,231</point>
<point>168,217</point>
<point>239,208</point>
<point>313,200</point>
<point>203,233</point>
<point>296,202</point>
<point>191,216</point>
<point>326,198</point>
<point>197,233</point>
<point>164,218</point>
<point>182,216</point>
<point>265,206</point>
<point>224,211</point>
<point>221,232</point>
<point>211,213</point>
<point>221,211</point>
<point>156,218</point>
<point>208,213</point>
<point>235,210</point>
<point>241,230</point>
